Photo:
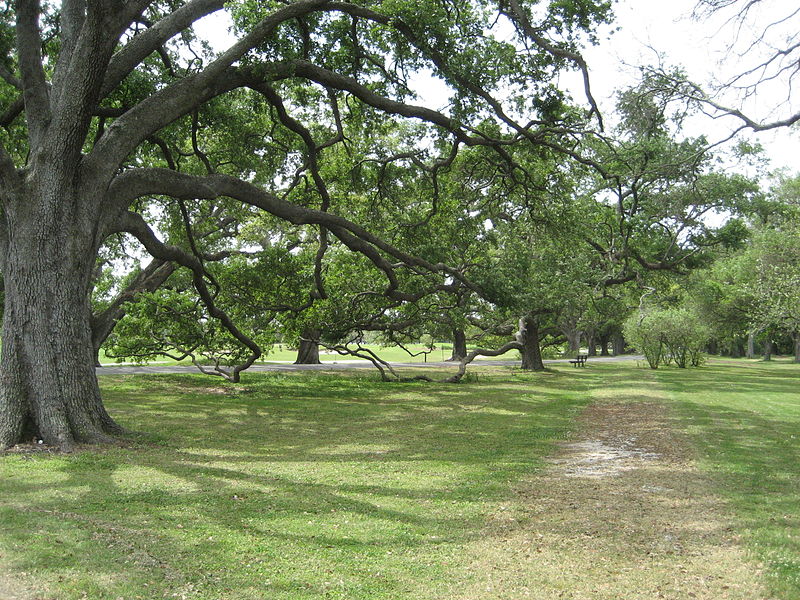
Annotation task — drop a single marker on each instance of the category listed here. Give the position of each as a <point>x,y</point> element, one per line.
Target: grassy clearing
<point>744,417</point>
<point>286,487</point>
<point>307,486</point>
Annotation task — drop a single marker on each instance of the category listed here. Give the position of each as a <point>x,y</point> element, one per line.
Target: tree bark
<point>797,346</point>
<point>618,344</point>
<point>591,345</point>
<point>528,336</point>
<point>751,346</point>
<point>49,386</point>
<point>459,345</point>
<point>573,341</point>
<point>308,352</point>
<point>604,339</point>
<point>768,349</point>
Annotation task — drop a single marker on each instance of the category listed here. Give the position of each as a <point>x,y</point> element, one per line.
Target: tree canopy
<point>160,195</point>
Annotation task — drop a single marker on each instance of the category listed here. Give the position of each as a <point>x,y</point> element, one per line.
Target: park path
<point>621,512</point>
<point>339,365</point>
<point>12,585</point>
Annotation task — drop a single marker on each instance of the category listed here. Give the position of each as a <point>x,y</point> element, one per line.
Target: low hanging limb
<point>136,226</point>
<point>366,354</point>
<point>462,366</point>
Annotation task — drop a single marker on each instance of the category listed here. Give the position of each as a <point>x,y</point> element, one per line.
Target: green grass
<point>744,417</point>
<point>306,486</point>
<point>284,487</point>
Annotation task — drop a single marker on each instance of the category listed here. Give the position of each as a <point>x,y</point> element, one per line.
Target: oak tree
<point>94,91</point>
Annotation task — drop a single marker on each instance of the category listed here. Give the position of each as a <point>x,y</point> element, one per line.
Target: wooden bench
<point>579,360</point>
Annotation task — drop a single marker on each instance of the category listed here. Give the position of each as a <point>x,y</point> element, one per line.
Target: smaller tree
<point>777,281</point>
<point>643,332</point>
<point>671,334</point>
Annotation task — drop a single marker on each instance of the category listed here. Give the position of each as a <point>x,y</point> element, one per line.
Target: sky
<point>649,28</point>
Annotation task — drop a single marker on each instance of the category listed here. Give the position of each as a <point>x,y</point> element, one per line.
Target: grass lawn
<point>307,486</point>
<point>744,417</point>
<point>287,486</point>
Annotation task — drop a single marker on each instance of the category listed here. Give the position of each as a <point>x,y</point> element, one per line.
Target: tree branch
<point>139,182</point>
<point>34,82</point>
<point>147,42</point>
<point>518,16</point>
<point>462,367</point>
<point>136,226</point>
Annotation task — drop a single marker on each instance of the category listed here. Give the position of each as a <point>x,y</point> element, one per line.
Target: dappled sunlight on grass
<point>310,485</point>
<point>284,486</point>
<point>745,419</point>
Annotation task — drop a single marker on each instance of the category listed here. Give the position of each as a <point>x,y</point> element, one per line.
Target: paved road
<point>338,365</point>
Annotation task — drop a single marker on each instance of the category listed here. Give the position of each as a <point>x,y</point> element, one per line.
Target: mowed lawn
<point>315,486</point>
<point>286,486</point>
<point>744,418</point>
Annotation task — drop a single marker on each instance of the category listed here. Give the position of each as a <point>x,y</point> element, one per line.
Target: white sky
<point>649,28</point>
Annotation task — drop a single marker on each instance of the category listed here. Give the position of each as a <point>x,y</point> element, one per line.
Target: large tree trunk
<point>591,345</point>
<point>459,345</point>
<point>528,336</point>
<point>797,346</point>
<point>768,349</point>
<point>573,336</point>
<point>604,339</point>
<point>751,346</point>
<point>308,352</point>
<point>49,386</point>
<point>618,344</point>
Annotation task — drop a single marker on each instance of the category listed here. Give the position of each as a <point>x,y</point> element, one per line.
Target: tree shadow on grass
<point>330,474</point>
<point>745,423</point>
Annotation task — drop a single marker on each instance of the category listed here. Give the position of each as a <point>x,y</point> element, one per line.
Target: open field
<point>337,486</point>
<point>744,419</point>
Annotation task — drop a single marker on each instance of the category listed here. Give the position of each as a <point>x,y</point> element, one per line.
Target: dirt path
<point>12,587</point>
<point>621,512</point>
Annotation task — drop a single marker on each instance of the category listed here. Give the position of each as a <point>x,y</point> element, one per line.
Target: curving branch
<point>34,83</point>
<point>462,366</point>
<point>148,279</point>
<point>183,96</point>
<point>136,226</point>
<point>520,18</point>
<point>366,354</point>
<point>135,183</point>
<point>143,44</point>
<point>10,78</point>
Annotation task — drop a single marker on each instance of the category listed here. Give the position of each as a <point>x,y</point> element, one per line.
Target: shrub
<point>665,335</point>
<point>643,333</point>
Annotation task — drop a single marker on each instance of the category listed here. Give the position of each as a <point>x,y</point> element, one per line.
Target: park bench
<point>579,361</point>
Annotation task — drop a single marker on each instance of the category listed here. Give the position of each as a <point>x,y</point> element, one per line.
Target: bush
<point>644,334</point>
<point>672,334</point>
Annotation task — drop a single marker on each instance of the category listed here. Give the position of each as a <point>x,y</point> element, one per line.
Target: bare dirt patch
<point>15,587</point>
<point>621,512</point>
